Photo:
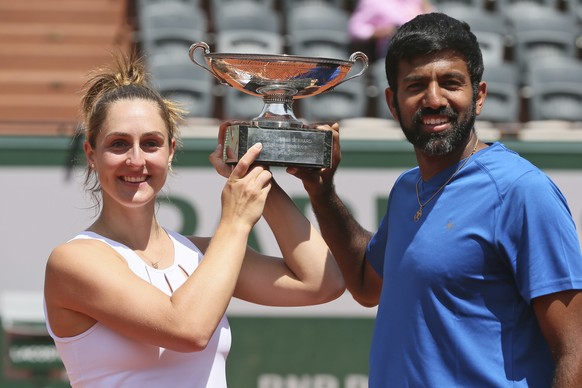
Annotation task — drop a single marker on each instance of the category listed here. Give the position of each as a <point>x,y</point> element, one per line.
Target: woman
<point>129,302</point>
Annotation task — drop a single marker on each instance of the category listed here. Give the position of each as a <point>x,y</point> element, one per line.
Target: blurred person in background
<point>373,22</point>
<point>130,303</point>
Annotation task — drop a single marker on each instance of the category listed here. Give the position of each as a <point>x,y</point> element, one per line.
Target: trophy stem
<point>278,112</point>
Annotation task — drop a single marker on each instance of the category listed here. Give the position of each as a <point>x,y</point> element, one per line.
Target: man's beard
<point>440,143</point>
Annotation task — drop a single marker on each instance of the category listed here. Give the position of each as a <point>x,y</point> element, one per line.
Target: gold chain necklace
<point>421,205</point>
<point>154,264</point>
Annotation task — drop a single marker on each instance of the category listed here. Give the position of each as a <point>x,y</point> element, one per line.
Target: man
<point>476,267</point>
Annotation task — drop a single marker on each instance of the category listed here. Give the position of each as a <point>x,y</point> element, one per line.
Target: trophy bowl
<point>278,79</point>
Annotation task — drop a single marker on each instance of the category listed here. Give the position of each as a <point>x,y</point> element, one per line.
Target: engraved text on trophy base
<point>282,147</point>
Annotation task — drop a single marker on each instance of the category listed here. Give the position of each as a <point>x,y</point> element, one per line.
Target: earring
<point>92,166</point>
<point>170,166</point>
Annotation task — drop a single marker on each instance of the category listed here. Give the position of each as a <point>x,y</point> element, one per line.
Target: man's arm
<point>560,319</point>
<point>346,238</point>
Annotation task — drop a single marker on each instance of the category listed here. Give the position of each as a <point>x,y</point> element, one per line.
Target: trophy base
<point>301,147</point>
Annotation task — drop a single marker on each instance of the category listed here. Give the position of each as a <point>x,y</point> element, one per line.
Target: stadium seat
<point>320,43</point>
<point>513,7</point>
<point>317,15</point>
<point>170,25</point>
<point>348,100</point>
<point>246,15</point>
<point>177,78</point>
<point>318,29</point>
<point>491,30</point>
<point>475,4</point>
<point>288,5</point>
<point>575,9</point>
<point>556,89</point>
<point>249,41</point>
<point>142,4</point>
<point>502,104</point>
<point>540,31</point>
<point>216,6</point>
<point>240,106</point>
<point>377,76</point>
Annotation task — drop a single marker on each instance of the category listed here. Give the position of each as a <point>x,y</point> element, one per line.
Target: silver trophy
<point>279,80</point>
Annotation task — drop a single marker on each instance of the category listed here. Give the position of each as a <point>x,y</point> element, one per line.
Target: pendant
<point>418,214</point>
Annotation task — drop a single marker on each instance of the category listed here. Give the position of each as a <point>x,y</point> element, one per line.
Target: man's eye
<point>415,86</point>
<point>453,84</point>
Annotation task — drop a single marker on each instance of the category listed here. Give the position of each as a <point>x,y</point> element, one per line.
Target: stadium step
<point>41,82</point>
<point>48,49</point>
<point>104,12</point>
<point>59,57</point>
<point>29,107</point>
<point>60,34</point>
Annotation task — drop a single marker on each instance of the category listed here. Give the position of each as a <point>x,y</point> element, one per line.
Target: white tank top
<point>101,357</point>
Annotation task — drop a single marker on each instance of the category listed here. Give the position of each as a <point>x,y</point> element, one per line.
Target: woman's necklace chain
<point>418,214</point>
<point>154,264</point>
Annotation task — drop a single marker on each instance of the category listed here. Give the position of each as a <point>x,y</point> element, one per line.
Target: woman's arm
<point>307,274</point>
<point>87,281</point>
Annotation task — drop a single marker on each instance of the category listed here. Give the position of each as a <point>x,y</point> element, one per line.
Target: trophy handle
<point>357,56</point>
<point>204,46</point>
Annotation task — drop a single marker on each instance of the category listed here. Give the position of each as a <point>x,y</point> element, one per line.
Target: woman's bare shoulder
<point>77,252</point>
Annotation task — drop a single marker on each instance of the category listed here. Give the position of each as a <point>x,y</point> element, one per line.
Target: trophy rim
<point>279,58</point>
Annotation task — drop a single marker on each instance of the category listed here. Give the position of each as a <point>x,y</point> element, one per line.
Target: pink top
<point>372,14</point>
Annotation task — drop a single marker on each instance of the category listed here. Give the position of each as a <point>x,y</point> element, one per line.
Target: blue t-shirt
<point>457,285</point>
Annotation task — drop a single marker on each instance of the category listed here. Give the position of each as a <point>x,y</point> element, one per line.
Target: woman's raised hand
<point>247,187</point>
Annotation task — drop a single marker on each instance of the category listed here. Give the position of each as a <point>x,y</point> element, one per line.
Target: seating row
<point>314,27</point>
<point>318,28</point>
<point>511,49</point>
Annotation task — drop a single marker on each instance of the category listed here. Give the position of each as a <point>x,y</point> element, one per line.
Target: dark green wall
<point>52,151</point>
